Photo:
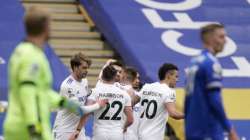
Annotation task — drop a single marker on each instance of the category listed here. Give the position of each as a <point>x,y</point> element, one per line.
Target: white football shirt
<point>111,117</point>
<point>74,91</point>
<point>153,115</point>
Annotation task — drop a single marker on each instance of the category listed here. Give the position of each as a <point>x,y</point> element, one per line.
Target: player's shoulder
<point>205,60</point>
<point>25,51</point>
<point>25,47</point>
<point>67,81</point>
<point>119,88</point>
<point>164,88</point>
<point>147,86</point>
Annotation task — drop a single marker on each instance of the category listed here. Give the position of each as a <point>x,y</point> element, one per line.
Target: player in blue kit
<point>205,118</point>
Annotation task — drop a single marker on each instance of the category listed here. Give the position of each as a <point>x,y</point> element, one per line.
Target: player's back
<point>203,74</point>
<point>26,61</point>
<point>154,116</point>
<point>111,118</point>
<point>28,65</point>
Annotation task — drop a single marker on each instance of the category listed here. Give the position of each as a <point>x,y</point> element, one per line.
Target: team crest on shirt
<point>34,69</point>
<point>70,90</point>
<point>78,92</point>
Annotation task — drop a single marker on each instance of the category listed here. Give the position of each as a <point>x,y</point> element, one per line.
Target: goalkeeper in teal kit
<point>30,95</point>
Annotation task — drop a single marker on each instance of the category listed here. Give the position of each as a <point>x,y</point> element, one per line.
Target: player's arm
<point>63,102</point>
<point>137,96</point>
<point>215,102</point>
<point>29,101</point>
<point>105,65</point>
<point>135,99</point>
<point>128,112</point>
<point>170,106</point>
<point>213,86</point>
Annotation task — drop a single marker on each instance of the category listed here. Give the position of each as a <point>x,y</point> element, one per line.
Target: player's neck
<point>108,82</point>
<point>76,77</point>
<point>39,42</point>
<point>210,49</point>
<point>165,82</point>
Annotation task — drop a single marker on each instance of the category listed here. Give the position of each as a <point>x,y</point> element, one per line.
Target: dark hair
<point>118,63</point>
<point>165,68</point>
<point>131,73</point>
<point>109,73</point>
<point>36,21</point>
<point>209,29</point>
<point>75,61</point>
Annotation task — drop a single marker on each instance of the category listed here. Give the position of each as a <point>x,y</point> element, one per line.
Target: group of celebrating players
<point>123,117</point>
<point>121,110</point>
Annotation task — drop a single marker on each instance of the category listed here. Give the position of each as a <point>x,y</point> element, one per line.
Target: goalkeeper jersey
<point>30,93</point>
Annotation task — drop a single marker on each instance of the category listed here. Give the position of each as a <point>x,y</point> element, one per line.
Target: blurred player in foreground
<point>205,118</point>
<point>31,96</point>
<point>75,88</point>
<point>109,123</point>
<point>157,103</point>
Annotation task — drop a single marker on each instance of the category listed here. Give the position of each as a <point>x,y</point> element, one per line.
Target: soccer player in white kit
<point>109,122</point>
<point>158,102</point>
<point>75,88</point>
<point>132,81</point>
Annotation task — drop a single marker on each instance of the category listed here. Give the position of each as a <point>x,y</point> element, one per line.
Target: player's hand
<point>233,135</point>
<point>74,135</point>
<point>110,61</point>
<point>125,130</point>
<point>35,132</point>
<point>102,102</point>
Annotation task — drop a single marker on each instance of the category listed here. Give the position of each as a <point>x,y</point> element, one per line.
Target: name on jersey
<point>151,93</point>
<point>110,95</point>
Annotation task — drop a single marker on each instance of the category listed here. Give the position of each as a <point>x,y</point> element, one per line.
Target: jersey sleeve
<point>170,96</point>
<point>213,74</point>
<point>215,101</point>
<point>54,99</point>
<point>128,101</point>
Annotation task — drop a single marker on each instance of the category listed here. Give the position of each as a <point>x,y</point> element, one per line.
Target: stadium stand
<point>72,32</point>
<point>147,33</point>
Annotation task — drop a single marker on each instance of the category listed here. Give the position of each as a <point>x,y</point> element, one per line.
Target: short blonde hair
<point>210,28</point>
<point>36,21</point>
